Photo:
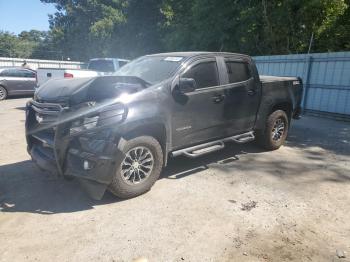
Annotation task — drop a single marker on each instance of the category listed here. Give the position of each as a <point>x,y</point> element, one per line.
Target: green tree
<point>336,35</point>
<point>13,46</point>
<point>85,28</point>
<point>253,26</point>
<point>8,43</point>
<point>29,44</point>
<point>82,29</point>
<point>91,28</point>
<point>142,31</point>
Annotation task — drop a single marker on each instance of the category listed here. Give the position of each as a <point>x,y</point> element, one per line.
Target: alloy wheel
<point>278,129</point>
<point>137,165</point>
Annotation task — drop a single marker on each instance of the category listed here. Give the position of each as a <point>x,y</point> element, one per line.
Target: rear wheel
<point>276,131</point>
<point>139,168</point>
<point>3,93</point>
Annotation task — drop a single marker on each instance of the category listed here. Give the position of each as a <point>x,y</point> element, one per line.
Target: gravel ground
<point>240,204</point>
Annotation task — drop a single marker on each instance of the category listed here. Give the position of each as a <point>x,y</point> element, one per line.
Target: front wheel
<point>139,168</point>
<point>276,131</point>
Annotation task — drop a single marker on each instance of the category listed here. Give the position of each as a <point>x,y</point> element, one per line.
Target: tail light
<point>68,75</point>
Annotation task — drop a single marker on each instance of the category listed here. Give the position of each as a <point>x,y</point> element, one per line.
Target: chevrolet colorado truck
<point>118,132</point>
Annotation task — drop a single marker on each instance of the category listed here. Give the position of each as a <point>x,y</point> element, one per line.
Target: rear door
<point>242,95</point>
<point>197,116</point>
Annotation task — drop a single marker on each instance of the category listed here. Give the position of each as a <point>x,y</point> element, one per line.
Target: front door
<point>197,115</point>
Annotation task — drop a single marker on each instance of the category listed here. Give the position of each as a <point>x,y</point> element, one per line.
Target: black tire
<point>3,93</point>
<point>123,188</point>
<point>268,138</point>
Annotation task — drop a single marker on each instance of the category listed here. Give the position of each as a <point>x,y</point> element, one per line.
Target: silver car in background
<point>16,81</point>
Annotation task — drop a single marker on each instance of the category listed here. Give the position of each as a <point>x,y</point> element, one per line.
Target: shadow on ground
<point>330,135</point>
<point>21,108</point>
<point>12,97</point>
<point>23,188</point>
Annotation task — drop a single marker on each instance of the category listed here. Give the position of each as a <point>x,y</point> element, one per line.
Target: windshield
<point>101,65</point>
<point>152,69</point>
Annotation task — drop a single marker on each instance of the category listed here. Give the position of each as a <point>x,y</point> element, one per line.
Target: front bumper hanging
<point>89,156</point>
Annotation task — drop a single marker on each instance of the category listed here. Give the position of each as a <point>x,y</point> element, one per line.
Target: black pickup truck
<point>118,132</point>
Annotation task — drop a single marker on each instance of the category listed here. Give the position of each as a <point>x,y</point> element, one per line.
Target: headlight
<point>108,115</point>
<point>83,124</point>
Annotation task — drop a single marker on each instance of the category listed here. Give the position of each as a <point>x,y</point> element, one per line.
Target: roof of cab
<point>198,53</point>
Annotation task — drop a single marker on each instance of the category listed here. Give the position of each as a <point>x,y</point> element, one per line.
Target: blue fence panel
<point>326,78</point>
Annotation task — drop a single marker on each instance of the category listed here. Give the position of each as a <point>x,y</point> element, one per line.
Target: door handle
<point>251,92</point>
<point>218,98</point>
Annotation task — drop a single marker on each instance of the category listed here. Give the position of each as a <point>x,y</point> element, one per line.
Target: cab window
<point>205,74</point>
<point>237,71</point>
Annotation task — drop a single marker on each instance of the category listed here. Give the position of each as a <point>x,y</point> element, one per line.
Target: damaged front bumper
<point>88,155</point>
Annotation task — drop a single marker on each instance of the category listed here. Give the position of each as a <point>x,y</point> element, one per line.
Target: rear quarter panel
<point>278,92</point>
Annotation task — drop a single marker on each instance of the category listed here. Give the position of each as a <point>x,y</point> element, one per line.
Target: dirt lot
<point>241,204</point>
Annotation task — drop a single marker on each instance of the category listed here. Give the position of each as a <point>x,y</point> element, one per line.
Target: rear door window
<point>237,71</point>
<point>205,74</point>
<point>26,73</point>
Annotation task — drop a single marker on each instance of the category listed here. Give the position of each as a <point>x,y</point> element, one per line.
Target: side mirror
<point>187,85</point>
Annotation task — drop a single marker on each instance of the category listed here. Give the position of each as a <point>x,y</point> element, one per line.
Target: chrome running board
<point>202,149</point>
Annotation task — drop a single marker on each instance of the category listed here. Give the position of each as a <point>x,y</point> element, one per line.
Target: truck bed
<point>45,74</point>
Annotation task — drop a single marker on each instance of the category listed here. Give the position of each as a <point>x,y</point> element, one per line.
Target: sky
<point>20,15</point>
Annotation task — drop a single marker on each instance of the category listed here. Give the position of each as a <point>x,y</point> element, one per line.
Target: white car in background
<point>96,67</point>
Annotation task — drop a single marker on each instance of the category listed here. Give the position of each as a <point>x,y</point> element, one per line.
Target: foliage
<point>28,44</point>
<point>13,46</point>
<point>336,35</point>
<point>81,29</point>
<point>254,26</point>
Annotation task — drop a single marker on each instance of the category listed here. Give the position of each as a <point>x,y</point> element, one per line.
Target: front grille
<point>44,121</point>
<point>46,112</point>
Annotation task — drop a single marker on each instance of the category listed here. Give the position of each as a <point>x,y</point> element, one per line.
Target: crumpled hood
<point>59,89</point>
<point>75,91</point>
